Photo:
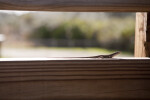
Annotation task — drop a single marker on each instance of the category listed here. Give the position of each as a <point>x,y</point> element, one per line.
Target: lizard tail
<point>114,54</point>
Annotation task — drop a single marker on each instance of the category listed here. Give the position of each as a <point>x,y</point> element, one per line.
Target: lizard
<point>99,56</point>
<point>104,56</point>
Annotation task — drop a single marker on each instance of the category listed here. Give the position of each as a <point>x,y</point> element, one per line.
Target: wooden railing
<point>80,79</point>
<point>76,5</point>
<point>76,79</point>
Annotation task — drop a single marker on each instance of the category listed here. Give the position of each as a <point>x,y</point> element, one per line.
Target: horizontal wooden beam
<point>76,5</point>
<point>76,79</point>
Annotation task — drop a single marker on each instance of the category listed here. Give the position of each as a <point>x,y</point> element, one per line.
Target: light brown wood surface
<point>76,5</point>
<point>140,34</point>
<point>112,79</point>
<point>147,43</point>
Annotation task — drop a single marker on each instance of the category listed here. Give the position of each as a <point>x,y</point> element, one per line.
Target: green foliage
<point>41,32</point>
<point>128,32</point>
<point>117,33</point>
<point>77,33</point>
<point>127,39</point>
<point>78,30</point>
<point>59,32</point>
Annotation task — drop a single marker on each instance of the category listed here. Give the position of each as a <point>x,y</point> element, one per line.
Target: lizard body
<point>99,56</point>
<point>104,56</point>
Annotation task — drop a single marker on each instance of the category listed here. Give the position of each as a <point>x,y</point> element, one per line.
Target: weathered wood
<point>112,79</point>
<point>76,5</point>
<point>0,49</point>
<point>147,43</point>
<point>142,35</point>
<point>2,38</point>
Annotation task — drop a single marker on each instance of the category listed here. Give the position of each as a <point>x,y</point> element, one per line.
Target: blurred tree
<point>77,33</point>
<point>41,32</point>
<point>59,32</point>
<point>127,39</point>
<point>110,30</point>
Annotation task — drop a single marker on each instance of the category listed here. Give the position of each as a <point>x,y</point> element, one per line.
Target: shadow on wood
<point>113,79</point>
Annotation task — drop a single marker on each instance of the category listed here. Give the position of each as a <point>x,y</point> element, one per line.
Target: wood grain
<point>76,5</point>
<point>93,79</point>
<point>147,43</point>
<point>140,34</point>
<point>0,49</point>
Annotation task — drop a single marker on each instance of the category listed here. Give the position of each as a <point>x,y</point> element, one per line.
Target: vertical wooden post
<point>147,44</point>
<point>0,49</point>
<point>142,35</point>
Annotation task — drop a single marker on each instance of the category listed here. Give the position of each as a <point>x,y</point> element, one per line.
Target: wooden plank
<point>147,43</point>
<point>142,35</point>
<point>93,79</point>
<point>0,49</point>
<point>76,5</point>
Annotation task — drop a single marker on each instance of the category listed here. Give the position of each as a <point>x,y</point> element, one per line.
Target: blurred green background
<point>52,34</point>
